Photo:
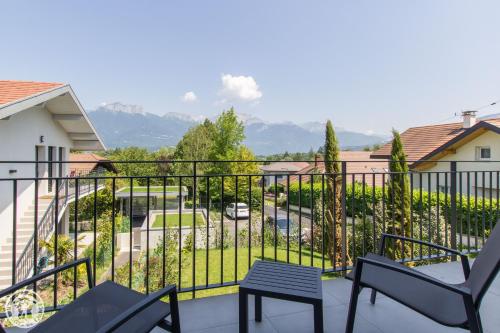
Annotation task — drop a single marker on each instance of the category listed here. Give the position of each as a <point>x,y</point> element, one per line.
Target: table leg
<point>243,312</point>
<point>318,317</point>
<point>258,308</point>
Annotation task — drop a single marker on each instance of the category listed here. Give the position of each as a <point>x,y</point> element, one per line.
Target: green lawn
<point>152,189</point>
<point>214,269</point>
<point>173,220</point>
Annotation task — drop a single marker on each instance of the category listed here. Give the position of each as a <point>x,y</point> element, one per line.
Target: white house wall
<point>467,152</point>
<point>19,135</point>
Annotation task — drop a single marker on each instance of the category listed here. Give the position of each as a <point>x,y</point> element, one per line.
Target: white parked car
<point>242,210</point>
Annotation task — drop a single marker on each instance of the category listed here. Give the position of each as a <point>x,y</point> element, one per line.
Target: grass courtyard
<point>233,269</point>
<point>152,189</point>
<point>172,220</point>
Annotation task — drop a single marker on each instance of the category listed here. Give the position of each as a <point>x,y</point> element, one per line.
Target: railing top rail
<point>387,173</point>
<point>375,160</point>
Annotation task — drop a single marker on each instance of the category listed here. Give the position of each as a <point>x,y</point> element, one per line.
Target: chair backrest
<point>485,267</point>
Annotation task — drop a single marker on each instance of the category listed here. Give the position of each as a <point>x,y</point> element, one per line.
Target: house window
<point>483,153</point>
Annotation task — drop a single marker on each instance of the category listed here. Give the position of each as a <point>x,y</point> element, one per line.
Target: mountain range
<point>122,125</point>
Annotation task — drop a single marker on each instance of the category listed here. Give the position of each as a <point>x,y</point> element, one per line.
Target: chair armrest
<point>450,252</point>
<point>138,307</point>
<point>48,273</point>
<point>366,261</point>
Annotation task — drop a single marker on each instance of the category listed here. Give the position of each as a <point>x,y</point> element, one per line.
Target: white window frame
<point>478,153</point>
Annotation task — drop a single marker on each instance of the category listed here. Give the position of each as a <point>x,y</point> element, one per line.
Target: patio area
<point>220,314</point>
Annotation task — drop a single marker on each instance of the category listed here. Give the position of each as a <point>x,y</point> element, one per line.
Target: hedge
<point>480,213</point>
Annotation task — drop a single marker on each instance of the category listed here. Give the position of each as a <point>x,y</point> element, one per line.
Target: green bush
<point>280,188</point>
<point>472,217</point>
<point>229,197</point>
<point>367,233</point>
<point>104,204</point>
<point>140,274</point>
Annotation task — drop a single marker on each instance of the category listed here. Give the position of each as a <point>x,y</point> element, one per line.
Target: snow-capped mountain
<point>124,108</point>
<point>122,125</point>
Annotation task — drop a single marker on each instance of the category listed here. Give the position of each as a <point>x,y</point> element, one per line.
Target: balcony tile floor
<point>220,314</point>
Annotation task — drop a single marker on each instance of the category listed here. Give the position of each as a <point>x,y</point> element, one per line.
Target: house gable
<point>63,105</point>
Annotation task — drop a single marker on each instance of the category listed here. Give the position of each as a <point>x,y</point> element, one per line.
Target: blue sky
<point>366,65</point>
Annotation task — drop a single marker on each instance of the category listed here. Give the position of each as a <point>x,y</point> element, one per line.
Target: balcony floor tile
<point>220,313</point>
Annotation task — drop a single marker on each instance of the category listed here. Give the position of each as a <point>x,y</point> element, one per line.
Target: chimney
<point>469,118</point>
<point>317,160</point>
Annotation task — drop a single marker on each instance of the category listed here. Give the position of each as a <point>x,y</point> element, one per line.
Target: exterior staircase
<point>24,232</point>
<point>46,226</point>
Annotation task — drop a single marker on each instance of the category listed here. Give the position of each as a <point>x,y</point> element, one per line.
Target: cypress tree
<point>398,196</point>
<point>333,201</point>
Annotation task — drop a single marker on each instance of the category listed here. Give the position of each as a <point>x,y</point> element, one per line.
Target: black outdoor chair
<point>455,305</point>
<point>107,307</point>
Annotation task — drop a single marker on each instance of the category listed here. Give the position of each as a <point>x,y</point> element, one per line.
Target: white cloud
<point>243,88</point>
<point>189,97</point>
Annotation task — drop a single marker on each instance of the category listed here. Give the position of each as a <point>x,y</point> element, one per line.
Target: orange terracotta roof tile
<point>419,142</point>
<point>78,169</point>
<point>494,122</point>
<point>11,91</point>
<point>284,166</point>
<point>358,163</point>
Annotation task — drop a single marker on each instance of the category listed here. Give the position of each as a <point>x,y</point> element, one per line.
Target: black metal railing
<point>45,226</point>
<point>311,218</point>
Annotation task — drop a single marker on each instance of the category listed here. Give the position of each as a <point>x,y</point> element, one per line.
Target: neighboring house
<point>39,122</point>
<point>93,164</point>
<point>359,168</point>
<point>278,171</point>
<point>474,144</point>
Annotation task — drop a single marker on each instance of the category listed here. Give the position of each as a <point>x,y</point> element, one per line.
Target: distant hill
<point>127,125</point>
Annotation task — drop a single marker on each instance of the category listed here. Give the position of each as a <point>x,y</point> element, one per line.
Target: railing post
<point>194,231</point>
<point>453,206</point>
<point>344,216</point>
<point>14,230</point>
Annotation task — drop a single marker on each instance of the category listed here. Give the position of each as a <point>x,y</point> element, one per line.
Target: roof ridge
<point>454,123</point>
<point>434,125</point>
<point>488,119</point>
<point>37,82</point>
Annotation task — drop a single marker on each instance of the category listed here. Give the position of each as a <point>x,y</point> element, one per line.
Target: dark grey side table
<point>282,281</point>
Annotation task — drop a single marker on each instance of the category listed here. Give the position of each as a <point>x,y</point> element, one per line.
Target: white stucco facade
<point>43,126</point>
<point>20,137</point>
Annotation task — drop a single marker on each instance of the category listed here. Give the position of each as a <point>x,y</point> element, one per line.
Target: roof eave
<point>18,105</point>
<point>11,108</point>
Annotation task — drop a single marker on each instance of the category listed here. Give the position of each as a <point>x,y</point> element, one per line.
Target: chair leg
<point>174,312</point>
<point>373,296</point>
<point>473,317</point>
<point>318,317</point>
<point>480,322</point>
<point>243,312</point>
<point>258,308</point>
<point>352,307</point>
